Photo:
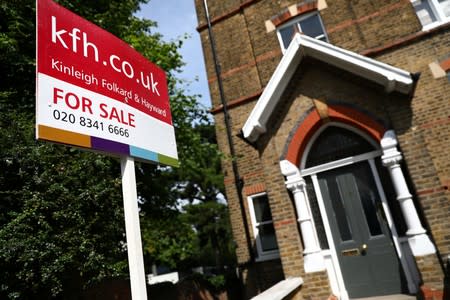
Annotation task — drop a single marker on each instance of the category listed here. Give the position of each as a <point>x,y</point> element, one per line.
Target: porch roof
<point>391,78</point>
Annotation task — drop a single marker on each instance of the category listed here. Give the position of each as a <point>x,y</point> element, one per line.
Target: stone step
<point>389,297</point>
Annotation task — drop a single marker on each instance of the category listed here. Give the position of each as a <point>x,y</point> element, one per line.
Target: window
<point>261,216</point>
<point>336,143</point>
<point>310,24</point>
<point>432,13</point>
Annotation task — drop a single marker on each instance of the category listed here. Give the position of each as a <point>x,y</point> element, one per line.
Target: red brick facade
<point>318,93</point>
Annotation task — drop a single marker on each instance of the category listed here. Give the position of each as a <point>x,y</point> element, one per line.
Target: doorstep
<point>389,297</point>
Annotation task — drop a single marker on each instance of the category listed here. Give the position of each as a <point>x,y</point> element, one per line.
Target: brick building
<point>335,117</point>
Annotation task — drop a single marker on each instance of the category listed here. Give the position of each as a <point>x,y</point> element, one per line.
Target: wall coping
<point>280,290</point>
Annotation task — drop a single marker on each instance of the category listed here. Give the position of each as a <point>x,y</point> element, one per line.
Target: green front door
<point>366,254</point>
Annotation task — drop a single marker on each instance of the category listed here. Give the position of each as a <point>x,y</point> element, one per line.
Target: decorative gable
<point>391,78</point>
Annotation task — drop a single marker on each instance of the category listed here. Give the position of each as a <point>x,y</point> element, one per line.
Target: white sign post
<point>134,246</point>
<point>95,92</point>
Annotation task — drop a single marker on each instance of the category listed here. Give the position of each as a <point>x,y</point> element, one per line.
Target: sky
<point>175,18</point>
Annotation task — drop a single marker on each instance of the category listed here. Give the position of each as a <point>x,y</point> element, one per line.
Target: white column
<point>313,259</point>
<point>418,240</point>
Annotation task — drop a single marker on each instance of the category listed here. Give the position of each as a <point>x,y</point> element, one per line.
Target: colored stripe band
<point>95,143</point>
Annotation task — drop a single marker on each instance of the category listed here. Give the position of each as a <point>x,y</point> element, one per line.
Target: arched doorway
<point>339,165</point>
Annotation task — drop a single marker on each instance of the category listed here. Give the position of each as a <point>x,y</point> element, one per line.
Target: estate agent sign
<point>95,91</point>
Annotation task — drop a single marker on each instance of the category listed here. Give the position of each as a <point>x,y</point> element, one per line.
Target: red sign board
<point>94,88</point>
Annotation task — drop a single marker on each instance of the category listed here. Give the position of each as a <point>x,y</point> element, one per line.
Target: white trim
<point>316,134</point>
<point>419,241</point>
<point>296,21</point>
<point>331,271</point>
<point>412,286</point>
<point>436,8</point>
<point>391,78</point>
<point>280,290</point>
<point>339,283</point>
<point>262,255</point>
<point>341,163</point>
<point>313,260</point>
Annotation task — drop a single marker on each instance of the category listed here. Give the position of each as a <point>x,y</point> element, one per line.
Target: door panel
<point>365,251</point>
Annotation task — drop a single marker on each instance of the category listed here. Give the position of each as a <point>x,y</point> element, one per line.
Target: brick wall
<point>430,274</point>
<point>424,133</point>
<point>356,25</point>
<point>258,277</point>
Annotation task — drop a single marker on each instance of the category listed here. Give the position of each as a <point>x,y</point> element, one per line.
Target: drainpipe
<point>238,181</point>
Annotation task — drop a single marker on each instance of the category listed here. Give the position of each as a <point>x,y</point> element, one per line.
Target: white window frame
<point>296,21</point>
<point>436,7</point>
<point>262,255</point>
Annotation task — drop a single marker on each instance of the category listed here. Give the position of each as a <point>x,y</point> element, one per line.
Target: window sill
<point>267,256</point>
<point>434,25</point>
